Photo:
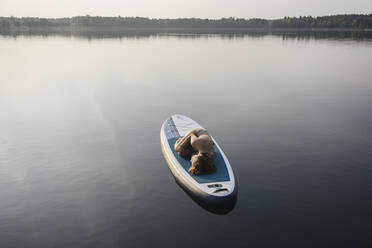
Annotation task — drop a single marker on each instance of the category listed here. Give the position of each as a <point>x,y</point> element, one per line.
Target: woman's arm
<point>193,139</point>
<point>186,140</point>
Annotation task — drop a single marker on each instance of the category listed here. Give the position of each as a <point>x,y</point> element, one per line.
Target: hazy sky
<point>183,8</point>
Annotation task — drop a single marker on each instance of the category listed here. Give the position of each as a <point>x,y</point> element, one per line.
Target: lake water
<point>80,157</point>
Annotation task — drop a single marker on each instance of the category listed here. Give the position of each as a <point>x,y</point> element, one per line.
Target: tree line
<point>302,22</point>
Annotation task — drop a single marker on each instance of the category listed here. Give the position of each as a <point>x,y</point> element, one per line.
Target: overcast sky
<point>183,8</point>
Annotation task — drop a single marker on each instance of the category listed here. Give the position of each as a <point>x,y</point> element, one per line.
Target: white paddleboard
<point>214,188</point>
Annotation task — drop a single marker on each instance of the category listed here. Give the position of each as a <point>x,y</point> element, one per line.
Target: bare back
<point>196,140</point>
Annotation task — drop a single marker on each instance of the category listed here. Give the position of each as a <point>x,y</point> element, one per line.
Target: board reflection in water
<point>215,192</point>
<point>210,205</point>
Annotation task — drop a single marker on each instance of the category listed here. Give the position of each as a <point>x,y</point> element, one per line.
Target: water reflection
<point>80,162</point>
<point>210,206</point>
<point>194,34</point>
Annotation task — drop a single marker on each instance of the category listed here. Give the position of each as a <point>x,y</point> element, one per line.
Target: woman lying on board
<point>199,145</point>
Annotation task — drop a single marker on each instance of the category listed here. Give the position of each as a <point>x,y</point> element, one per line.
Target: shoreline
<point>176,29</point>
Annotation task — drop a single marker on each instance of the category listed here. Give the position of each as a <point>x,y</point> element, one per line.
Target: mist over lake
<point>80,157</point>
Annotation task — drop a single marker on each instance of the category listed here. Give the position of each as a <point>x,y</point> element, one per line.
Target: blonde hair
<point>202,164</point>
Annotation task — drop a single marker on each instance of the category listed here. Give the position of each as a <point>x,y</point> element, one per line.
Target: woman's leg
<point>183,146</point>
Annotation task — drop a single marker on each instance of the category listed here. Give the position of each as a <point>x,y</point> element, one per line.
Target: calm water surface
<point>80,158</point>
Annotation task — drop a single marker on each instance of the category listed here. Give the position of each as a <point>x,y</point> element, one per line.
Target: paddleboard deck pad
<point>209,189</point>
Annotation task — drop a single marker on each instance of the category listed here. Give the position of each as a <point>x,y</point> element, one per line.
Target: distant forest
<point>302,22</point>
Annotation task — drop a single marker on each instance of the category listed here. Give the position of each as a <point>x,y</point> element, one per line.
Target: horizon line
<point>120,16</point>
